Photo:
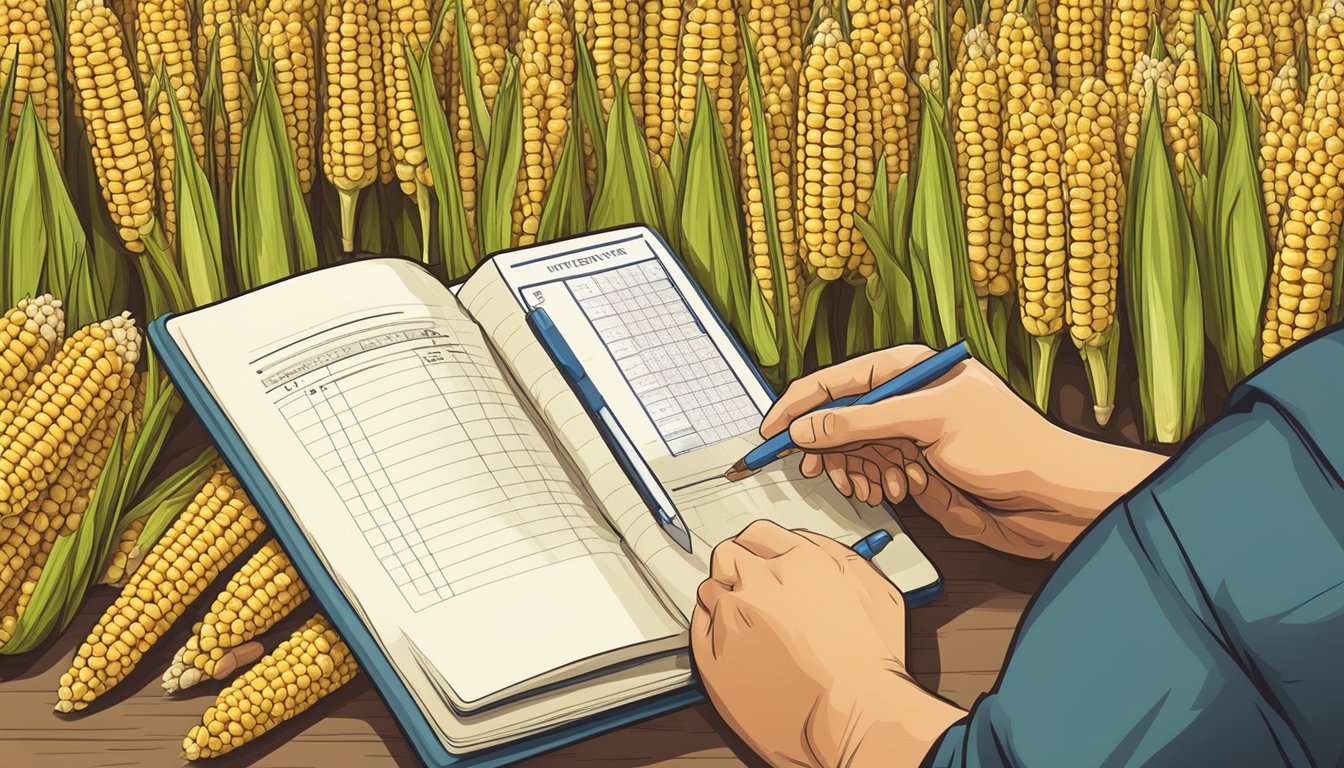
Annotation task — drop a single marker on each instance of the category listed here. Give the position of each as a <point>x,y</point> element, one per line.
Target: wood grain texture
<point>957,645</point>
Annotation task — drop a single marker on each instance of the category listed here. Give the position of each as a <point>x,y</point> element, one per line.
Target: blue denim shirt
<point>1200,621</point>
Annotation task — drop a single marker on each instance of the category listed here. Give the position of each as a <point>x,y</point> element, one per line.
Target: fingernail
<point>804,432</point>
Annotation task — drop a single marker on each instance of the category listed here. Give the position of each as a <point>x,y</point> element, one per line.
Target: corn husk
<point>504,153</point>
<point>1237,268</point>
<point>40,233</point>
<point>946,307</point>
<point>160,507</point>
<point>589,109</point>
<point>625,188</point>
<point>1162,289</point>
<point>200,253</point>
<point>713,246</point>
<point>889,290</point>
<point>563,214</point>
<point>72,563</point>
<point>786,341</point>
<point>450,222</point>
<point>272,234</point>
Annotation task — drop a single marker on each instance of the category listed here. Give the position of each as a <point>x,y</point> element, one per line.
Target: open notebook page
<point>382,418</point>
<point>671,375</point>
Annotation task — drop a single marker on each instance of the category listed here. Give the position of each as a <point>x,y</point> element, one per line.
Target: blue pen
<point>916,377</point>
<point>664,511</point>
<point>869,546</point>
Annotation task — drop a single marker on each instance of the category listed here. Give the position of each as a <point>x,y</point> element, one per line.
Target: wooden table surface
<point>957,645</point>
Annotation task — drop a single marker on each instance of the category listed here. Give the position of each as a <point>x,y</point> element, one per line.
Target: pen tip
<point>738,471</point>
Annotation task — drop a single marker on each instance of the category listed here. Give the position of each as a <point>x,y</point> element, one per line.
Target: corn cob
<point>979,144</point>
<point>218,525</point>
<point>27,28</point>
<point>991,14</point>
<point>1149,74</point>
<point>1178,25</point>
<point>826,147</point>
<point>660,78</point>
<point>1285,24</point>
<point>56,512</point>
<point>114,117</point>
<point>490,24</point>
<point>1093,191</point>
<point>1045,10</point>
<point>52,419</point>
<point>1301,281</point>
<point>121,552</point>
<point>1182,100</point>
<point>547,72</point>
<point>1078,41</point>
<point>921,27</point>
<point>448,79</point>
<point>126,12</point>
<point>312,663</point>
<point>709,49</point>
<point>220,23</point>
<point>878,39</point>
<point>1325,42</point>
<point>1022,65</point>
<point>1247,43</point>
<point>1127,31</point>
<point>956,28</point>
<point>287,39</point>
<point>30,333</point>
<point>163,40</point>
<point>261,593</point>
<point>408,23</point>
<point>350,134</point>
<point>1038,219</point>
<point>1281,110</point>
<point>862,262</point>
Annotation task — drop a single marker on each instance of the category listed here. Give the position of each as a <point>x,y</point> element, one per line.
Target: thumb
<point>916,416</point>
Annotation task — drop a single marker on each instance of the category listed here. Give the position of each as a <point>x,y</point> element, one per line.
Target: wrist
<point>1085,477</point>
<point>891,722</point>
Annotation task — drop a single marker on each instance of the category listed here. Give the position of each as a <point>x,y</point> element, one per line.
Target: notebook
<point>455,509</point>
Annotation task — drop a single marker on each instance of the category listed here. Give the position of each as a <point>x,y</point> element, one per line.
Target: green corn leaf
<point>786,342</point>
<point>161,506</point>
<point>890,287</point>
<point>1336,311</point>
<point>589,104</point>
<point>109,279</point>
<point>504,154</point>
<point>712,234</point>
<point>369,230</point>
<point>272,233</point>
<point>450,219</point>
<point>1240,261</point>
<point>563,214</point>
<point>213,116</point>
<point>162,404</point>
<point>199,251</point>
<point>471,81</point>
<point>1162,293</point>
<point>70,565</point>
<point>939,256</point>
<point>1206,60</point>
<point>40,232</point>
<point>625,190</point>
<point>7,104</point>
<point>859,331</point>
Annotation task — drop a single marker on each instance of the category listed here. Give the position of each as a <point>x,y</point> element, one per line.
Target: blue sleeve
<point>1200,621</point>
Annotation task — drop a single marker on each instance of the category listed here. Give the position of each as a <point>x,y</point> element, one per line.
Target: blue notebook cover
<point>357,636</point>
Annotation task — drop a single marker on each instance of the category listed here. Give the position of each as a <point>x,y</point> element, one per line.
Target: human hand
<point>971,453</point>
<point>801,646</point>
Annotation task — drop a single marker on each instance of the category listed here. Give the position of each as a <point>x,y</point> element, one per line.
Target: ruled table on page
<point>679,375</point>
<point>448,480</point>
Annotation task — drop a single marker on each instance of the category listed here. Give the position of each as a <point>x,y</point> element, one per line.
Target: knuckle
<point>758,527</point>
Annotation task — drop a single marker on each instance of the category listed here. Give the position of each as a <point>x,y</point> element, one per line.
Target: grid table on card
<point>436,466</point>
<point>675,369</point>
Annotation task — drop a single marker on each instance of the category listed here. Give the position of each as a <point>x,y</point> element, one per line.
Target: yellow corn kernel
<point>546,63</point>
<point>977,133</point>
<point>114,118</point>
<point>29,334</point>
<point>1281,110</point>
<point>826,164</point>
<point>1039,225</point>
<point>214,530</point>
<point>258,596</point>
<point>1078,31</point>
<point>709,49</point>
<point>312,663</point>
<point>67,396</point>
<point>660,75</point>
<point>287,39</point>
